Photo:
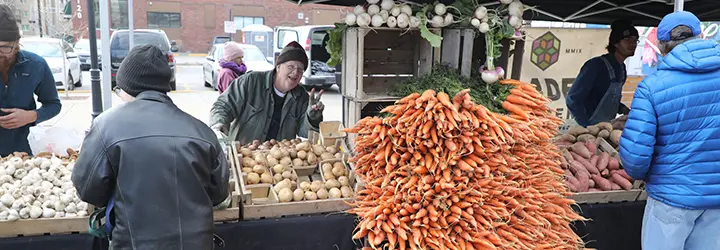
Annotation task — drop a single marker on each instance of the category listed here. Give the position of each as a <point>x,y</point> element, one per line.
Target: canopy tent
<point>641,12</point>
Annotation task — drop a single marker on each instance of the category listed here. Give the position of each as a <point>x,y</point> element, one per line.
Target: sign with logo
<point>259,38</point>
<point>230,27</point>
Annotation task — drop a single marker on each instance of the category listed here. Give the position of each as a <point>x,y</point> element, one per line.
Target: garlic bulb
<point>7,200</point>
<point>13,215</point>
<point>35,212</point>
<point>25,213</point>
<point>48,213</point>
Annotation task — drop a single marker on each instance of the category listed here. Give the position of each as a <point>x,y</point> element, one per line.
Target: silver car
<point>253,58</point>
<point>82,48</point>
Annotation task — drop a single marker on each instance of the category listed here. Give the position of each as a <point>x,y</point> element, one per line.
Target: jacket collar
<point>20,58</point>
<point>154,96</point>
<point>270,78</point>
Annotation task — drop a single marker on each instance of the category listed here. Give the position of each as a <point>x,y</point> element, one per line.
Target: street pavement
<point>192,97</point>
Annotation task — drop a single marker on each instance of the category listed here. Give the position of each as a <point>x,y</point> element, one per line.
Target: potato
<point>346,192</point>
<point>276,153</point>
<point>247,170</point>
<point>278,177</point>
<point>565,137</point>
<point>310,195</point>
<point>605,125</point>
<point>248,162</point>
<point>260,159</point>
<point>312,158</point>
<point>338,164</point>
<point>615,136</point>
<point>315,186</point>
<point>292,152</point>
<point>259,169</point>
<point>285,195</point>
<point>266,178</point>
<point>327,156</point>
<point>253,178</point>
<point>298,194</point>
<point>286,161</point>
<point>344,181</point>
<point>335,193</point>
<point>302,155</point>
<point>305,185</point>
<point>318,150</point>
<point>331,150</point>
<point>594,129</point>
<point>338,156</point>
<point>278,168</point>
<point>328,175</point>
<point>604,134</point>
<point>577,130</point>
<point>297,162</point>
<point>586,138</point>
<point>327,167</point>
<point>332,184</point>
<point>322,193</point>
<point>245,151</point>
<point>271,161</point>
<point>305,146</point>
<point>338,170</point>
<point>252,147</point>
<point>287,175</point>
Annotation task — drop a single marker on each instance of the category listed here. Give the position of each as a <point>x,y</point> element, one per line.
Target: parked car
<point>61,58</point>
<point>318,73</point>
<point>220,40</point>
<point>82,48</point>
<point>253,58</point>
<point>120,47</point>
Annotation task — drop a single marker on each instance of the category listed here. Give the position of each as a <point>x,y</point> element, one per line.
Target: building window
<point>25,13</point>
<point>242,21</point>
<point>163,20</point>
<point>25,27</point>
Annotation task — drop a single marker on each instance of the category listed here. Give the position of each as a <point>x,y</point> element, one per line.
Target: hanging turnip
<point>414,22</point>
<point>484,27</point>
<point>377,21</point>
<point>392,22</point>
<point>481,12</point>
<point>395,11</point>
<point>437,21</point>
<point>384,14</point>
<point>506,1</point>
<point>448,20</point>
<point>405,8</point>
<point>514,21</point>
<point>403,21</point>
<point>359,10</point>
<point>387,4</point>
<point>373,10</point>
<point>440,9</point>
<point>475,22</point>
<point>489,76</point>
<point>373,1</point>
<point>516,8</point>
<point>363,20</point>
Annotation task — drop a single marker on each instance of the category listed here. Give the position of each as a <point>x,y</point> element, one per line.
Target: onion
<point>387,4</point>
<point>376,21</point>
<point>484,27</point>
<point>481,12</point>
<point>392,22</point>
<point>405,8</point>
<point>403,21</point>
<point>358,10</point>
<point>440,9</point>
<point>395,11</point>
<point>373,10</point>
<point>350,19</point>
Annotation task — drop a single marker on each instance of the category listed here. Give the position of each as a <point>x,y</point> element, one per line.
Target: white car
<point>253,59</point>
<point>61,58</point>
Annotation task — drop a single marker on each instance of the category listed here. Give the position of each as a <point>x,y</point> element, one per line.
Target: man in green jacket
<point>269,105</point>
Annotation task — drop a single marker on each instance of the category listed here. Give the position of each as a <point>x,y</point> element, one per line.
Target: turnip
<point>513,21</point>
<point>403,21</point>
<point>373,1</point>
<point>475,22</point>
<point>481,12</point>
<point>363,20</point>
<point>448,20</point>
<point>440,9</point>
<point>373,10</point>
<point>384,14</point>
<point>358,10</point>
<point>415,22</point>
<point>489,76</point>
<point>483,27</point>
<point>405,8</point>
<point>437,21</point>
<point>506,1</point>
<point>516,8</point>
<point>387,4</point>
<point>395,11</point>
<point>376,21</point>
<point>391,22</point>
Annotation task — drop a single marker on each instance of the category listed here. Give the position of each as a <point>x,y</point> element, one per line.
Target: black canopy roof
<point>641,12</point>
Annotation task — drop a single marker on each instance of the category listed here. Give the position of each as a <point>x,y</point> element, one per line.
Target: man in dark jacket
<point>24,74</point>
<point>163,169</point>
<point>595,95</point>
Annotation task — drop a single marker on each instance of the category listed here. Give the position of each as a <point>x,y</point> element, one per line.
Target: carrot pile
<point>445,173</point>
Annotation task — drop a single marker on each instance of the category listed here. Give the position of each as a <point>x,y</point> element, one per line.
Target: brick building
<point>193,24</point>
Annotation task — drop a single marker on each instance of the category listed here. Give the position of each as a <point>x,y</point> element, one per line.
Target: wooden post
<point>518,59</point>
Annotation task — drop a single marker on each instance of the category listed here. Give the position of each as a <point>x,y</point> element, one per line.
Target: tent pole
<point>97,105</point>
<point>105,26</point>
<point>679,4</point>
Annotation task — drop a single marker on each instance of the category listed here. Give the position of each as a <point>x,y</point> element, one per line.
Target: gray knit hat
<point>144,68</point>
<point>9,30</point>
<point>292,52</point>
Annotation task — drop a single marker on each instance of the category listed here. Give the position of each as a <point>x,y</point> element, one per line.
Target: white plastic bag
<point>54,139</point>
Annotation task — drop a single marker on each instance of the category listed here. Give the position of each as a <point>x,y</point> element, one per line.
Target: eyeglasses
<point>293,68</point>
<point>631,40</point>
<point>6,49</point>
<point>116,90</point>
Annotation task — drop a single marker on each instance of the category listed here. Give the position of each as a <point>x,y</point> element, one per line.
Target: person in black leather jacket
<point>164,169</point>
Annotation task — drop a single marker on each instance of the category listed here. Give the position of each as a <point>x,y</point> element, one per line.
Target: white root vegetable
<point>437,21</point>
<point>448,20</point>
<point>475,22</point>
<point>359,9</point>
<point>376,21</point>
<point>506,1</point>
<point>440,9</point>
<point>363,20</point>
<point>298,194</point>
<point>322,193</point>
<point>335,193</point>
<point>516,8</point>
<point>514,21</point>
<point>392,22</point>
<point>385,15</point>
<point>253,178</point>
<point>481,12</point>
<point>405,8</point>
<point>484,27</point>
<point>489,76</point>
<point>403,21</point>
<point>373,1</point>
<point>395,11</point>
<point>285,195</point>
<point>414,22</point>
<point>373,10</point>
<point>344,181</point>
<point>346,192</point>
<point>310,195</point>
<point>387,4</point>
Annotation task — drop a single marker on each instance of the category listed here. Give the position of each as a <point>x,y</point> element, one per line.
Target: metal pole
<point>105,35</point>
<point>39,18</point>
<point>131,24</point>
<point>679,4</point>
<point>97,107</point>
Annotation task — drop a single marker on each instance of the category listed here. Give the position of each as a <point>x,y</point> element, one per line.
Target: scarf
<point>238,69</point>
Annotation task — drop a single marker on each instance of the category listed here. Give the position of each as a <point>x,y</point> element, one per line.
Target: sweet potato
<point>565,137</point>
<point>563,144</point>
<point>586,137</point>
<point>563,163</point>
<point>615,186</point>
<point>622,173</point>
<point>585,163</point>
<point>604,125</point>
<point>594,190</point>
<point>603,134</point>
<point>603,161</point>
<point>594,129</point>
<point>594,160</point>
<point>577,167</point>
<point>572,182</point>
<point>602,183</point>
<point>605,173</point>
<point>615,136</point>
<point>613,164</point>
<point>567,155</point>
<point>584,180</point>
<point>624,183</point>
<point>580,149</point>
<point>577,130</point>
<point>591,146</point>
<point>592,183</point>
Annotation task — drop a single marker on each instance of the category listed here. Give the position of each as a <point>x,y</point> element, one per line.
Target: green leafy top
<point>334,44</point>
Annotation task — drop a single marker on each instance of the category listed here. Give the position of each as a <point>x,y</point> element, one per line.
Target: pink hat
<point>232,51</point>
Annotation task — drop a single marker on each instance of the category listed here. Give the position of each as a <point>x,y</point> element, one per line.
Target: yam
<point>565,137</point>
<point>580,149</point>
<point>584,180</point>
<point>576,167</point>
<point>613,164</point>
<point>615,136</point>
<point>567,155</point>
<point>605,125</point>
<point>624,183</point>
<point>602,183</point>
<point>622,173</point>
<point>577,130</point>
<point>585,137</point>
<point>592,147</point>
<point>594,129</point>
<point>615,186</point>
<point>603,134</point>
<point>605,173</point>
<point>563,144</point>
<point>586,164</point>
<point>592,183</point>
<point>594,160</point>
<point>603,161</point>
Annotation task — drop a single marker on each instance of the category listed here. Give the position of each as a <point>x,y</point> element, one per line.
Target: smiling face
<point>288,75</point>
<point>8,50</point>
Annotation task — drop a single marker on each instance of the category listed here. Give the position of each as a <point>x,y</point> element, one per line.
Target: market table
<point>614,226</point>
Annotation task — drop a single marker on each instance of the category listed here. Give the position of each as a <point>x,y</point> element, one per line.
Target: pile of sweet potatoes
<point>592,170</point>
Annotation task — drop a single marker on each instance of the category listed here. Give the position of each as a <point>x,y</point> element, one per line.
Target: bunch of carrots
<point>444,173</point>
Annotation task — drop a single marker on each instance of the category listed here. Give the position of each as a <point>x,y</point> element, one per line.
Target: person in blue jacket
<point>22,75</point>
<point>596,94</point>
<point>671,139</point>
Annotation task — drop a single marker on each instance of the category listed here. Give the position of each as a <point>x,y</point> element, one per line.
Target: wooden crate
<point>232,212</point>
<point>457,49</point>
<point>330,132</point>
<point>46,226</point>
<point>375,60</point>
<point>353,111</point>
<point>609,196</point>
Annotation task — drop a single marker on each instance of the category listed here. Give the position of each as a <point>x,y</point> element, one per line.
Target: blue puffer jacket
<point>672,136</point>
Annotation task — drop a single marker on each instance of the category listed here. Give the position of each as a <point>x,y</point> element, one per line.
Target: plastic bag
<point>54,139</point>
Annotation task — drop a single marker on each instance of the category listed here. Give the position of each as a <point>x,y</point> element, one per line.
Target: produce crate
<point>331,132</point>
<point>609,196</point>
<point>376,59</point>
<point>457,49</point>
<point>232,212</point>
<point>45,226</point>
<point>353,111</point>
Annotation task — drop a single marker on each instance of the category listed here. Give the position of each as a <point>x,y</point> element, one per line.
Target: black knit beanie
<point>9,31</point>
<point>621,29</point>
<point>144,68</point>
<point>292,52</point>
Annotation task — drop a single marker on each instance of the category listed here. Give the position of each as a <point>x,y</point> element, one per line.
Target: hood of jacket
<point>694,56</point>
